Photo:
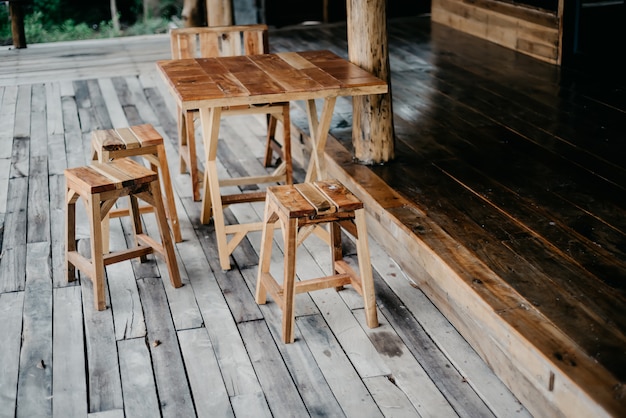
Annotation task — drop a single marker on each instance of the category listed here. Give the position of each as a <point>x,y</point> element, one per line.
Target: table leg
<point>210,123</point>
<point>212,197</point>
<point>319,134</point>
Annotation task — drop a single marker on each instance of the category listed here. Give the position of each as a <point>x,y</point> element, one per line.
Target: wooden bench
<point>302,209</point>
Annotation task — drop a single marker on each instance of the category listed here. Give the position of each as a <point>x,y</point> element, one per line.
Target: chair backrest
<point>219,41</point>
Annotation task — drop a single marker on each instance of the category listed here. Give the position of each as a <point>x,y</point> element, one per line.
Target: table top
<point>266,78</point>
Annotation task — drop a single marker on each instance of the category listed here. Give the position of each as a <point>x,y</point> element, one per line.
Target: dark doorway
<point>594,33</point>
<point>281,13</point>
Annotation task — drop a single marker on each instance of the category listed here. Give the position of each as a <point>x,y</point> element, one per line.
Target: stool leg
<point>97,262</point>
<point>106,228</point>
<point>182,140</point>
<point>271,132</point>
<point>195,174</point>
<point>95,153</point>
<point>170,206</point>
<point>265,254</point>
<point>290,233</point>
<point>166,238</point>
<point>101,155</point>
<point>70,231</point>
<point>135,221</point>
<point>287,144</point>
<point>365,268</point>
<point>336,251</point>
<point>187,149</point>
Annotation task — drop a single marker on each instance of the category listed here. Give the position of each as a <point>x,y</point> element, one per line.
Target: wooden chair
<point>100,185</point>
<point>221,41</point>
<point>301,209</point>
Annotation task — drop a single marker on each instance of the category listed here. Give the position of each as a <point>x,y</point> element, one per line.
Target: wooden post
<point>219,12</point>
<point>17,24</point>
<point>194,13</point>
<point>372,125</point>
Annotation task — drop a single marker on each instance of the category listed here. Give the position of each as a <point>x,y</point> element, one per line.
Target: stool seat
<point>100,185</point>
<point>143,141</point>
<point>301,209</point>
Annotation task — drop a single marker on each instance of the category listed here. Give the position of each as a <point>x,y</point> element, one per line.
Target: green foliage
<point>5,24</point>
<point>151,26</point>
<point>48,11</point>
<point>38,30</point>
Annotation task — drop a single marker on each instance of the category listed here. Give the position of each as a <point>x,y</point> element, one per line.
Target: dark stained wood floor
<point>510,209</point>
<point>522,164</point>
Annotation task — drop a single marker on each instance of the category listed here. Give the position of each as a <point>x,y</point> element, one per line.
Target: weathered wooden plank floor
<point>205,349</point>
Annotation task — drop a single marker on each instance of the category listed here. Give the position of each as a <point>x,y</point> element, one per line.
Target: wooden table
<point>209,84</point>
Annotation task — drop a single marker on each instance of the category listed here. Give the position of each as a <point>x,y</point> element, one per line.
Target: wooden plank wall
<point>528,30</point>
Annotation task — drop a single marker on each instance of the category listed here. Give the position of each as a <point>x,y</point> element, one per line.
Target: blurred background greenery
<point>64,20</point>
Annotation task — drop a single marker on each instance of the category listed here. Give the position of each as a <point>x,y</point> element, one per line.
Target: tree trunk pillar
<point>219,12</point>
<point>194,13</point>
<point>17,24</point>
<point>372,124</point>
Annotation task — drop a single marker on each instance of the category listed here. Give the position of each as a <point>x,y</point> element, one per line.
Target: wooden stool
<point>100,185</point>
<point>301,209</point>
<point>144,141</point>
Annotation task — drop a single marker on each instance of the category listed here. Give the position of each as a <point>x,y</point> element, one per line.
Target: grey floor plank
<point>11,308</point>
<point>57,229</point>
<point>54,125</point>
<point>139,388</point>
<point>38,223</point>
<point>68,384</point>
<point>235,364</point>
<point>477,373</point>
<point>104,382</point>
<point>174,393</point>
<point>38,122</point>
<point>345,382</point>
<point>205,379</point>
<point>278,386</point>
<point>73,134</point>
<point>7,122</point>
<point>243,404</point>
<point>34,390</point>
<point>406,372</point>
<point>22,124</point>
<point>390,399</point>
<point>317,395</point>
<point>5,166</point>
<point>13,261</point>
<point>447,378</point>
<point>128,314</point>
<point>182,301</point>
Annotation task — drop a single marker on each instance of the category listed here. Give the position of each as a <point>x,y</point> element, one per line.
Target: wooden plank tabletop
<point>265,78</point>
